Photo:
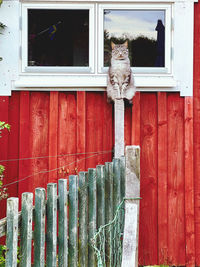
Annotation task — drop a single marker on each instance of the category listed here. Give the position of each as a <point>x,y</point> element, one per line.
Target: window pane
<point>58,37</point>
<point>145,32</point>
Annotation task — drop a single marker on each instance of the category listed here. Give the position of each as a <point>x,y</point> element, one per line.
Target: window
<point>145,32</point>
<point>66,45</point>
<point>147,27</point>
<point>58,37</point>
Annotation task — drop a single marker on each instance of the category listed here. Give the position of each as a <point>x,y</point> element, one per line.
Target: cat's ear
<point>112,45</point>
<point>126,44</point>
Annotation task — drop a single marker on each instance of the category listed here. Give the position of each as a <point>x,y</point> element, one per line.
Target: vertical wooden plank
<point>12,232</point>
<point>196,99</point>
<point>51,225</point>
<point>62,223</point>
<point>4,105</point>
<point>148,250</point>
<point>101,202</point>
<point>122,174</point>
<point>107,129</point>
<point>162,179</point>
<point>24,146</point>
<point>26,229</point>
<point>92,215</point>
<point>53,136</point>
<point>39,227</point>
<point>83,219</point>
<point>73,221</point>
<point>81,130</point>
<point>176,186</point>
<point>109,210</point>
<point>13,144</point>
<point>100,195</point>
<point>116,184</point>
<point>135,137</point>
<point>39,128</point>
<point>67,126</point>
<point>119,108</point>
<point>94,128</point>
<point>189,183</point>
<point>127,124</point>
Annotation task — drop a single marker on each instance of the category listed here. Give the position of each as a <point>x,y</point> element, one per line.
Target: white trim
<point>67,81</point>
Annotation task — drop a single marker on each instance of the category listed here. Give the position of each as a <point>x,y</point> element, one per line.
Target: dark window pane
<point>58,37</point>
<point>145,32</point>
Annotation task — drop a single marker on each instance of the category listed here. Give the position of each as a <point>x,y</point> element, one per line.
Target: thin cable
<point>62,155</point>
<point>25,178</point>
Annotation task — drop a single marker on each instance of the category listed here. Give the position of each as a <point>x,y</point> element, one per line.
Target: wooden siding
<point>165,125</point>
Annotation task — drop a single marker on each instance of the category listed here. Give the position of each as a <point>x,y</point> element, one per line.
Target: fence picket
<point>83,219</point>
<point>62,223</point>
<point>39,227</point>
<point>92,203</point>
<point>109,210</point>
<point>73,220</point>
<point>101,202</point>
<point>12,231</point>
<point>26,229</point>
<point>51,224</point>
<point>93,197</point>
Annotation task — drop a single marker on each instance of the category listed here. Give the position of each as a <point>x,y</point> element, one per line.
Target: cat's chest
<point>120,67</point>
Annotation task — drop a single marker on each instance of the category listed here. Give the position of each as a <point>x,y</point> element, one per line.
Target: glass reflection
<point>145,32</point>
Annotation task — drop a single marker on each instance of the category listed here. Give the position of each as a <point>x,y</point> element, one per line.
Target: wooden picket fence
<point>58,229</point>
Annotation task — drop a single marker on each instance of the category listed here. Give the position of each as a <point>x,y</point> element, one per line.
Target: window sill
<point>89,82</point>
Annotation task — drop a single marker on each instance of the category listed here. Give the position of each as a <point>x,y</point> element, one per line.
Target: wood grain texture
<point>39,130</point>
<point>197,130</point>
<point>81,130</point>
<point>24,145</point>
<point>162,179</point>
<point>53,136</point>
<point>67,134</point>
<point>4,105</point>
<point>189,183</point>
<point>176,185</point>
<point>135,123</point>
<point>149,246</point>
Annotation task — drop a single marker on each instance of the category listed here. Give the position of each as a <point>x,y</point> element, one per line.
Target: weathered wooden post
<point>132,191</point>
<point>119,128</point>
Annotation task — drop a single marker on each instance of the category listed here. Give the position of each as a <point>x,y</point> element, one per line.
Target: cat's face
<point>119,51</point>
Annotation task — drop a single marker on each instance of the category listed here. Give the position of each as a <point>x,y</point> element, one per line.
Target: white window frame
<point>177,78</point>
<point>56,69</point>
<point>168,36</point>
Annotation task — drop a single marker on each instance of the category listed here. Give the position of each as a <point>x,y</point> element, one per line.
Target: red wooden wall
<point>76,125</point>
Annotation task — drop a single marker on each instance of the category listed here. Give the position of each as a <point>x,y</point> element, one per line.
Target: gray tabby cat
<point>120,79</point>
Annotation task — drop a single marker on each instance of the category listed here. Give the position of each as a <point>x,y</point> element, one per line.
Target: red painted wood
<point>127,124</point>
<point>24,145</point>
<point>108,129</point>
<point>4,105</point>
<point>39,130</point>
<point>67,133</point>
<point>189,183</point>
<point>148,245</point>
<point>135,123</point>
<point>93,117</point>
<point>197,130</point>
<point>81,130</point>
<point>176,186</point>
<point>53,136</point>
<point>13,145</point>
<point>162,179</point>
